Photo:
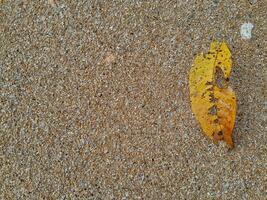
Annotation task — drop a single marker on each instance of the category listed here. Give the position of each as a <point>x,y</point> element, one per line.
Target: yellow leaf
<point>213,102</point>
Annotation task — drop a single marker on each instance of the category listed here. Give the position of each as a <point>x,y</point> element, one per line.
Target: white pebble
<point>253,1</point>
<point>245,30</point>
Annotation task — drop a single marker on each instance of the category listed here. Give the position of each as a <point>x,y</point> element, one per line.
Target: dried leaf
<point>213,102</point>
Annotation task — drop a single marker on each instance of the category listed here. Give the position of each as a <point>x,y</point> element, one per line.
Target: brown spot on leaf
<point>218,136</point>
<point>220,81</point>
<point>213,110</point>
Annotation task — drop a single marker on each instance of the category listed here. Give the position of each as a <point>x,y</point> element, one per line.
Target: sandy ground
<point>95,100</point>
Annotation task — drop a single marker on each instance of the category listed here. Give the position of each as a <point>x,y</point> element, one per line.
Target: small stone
<point>52,3</point>
<point>252,1</point>
<point>245,30</point>
<point>110,58</point>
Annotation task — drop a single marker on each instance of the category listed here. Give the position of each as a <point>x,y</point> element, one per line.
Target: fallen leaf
<point>213,102</point>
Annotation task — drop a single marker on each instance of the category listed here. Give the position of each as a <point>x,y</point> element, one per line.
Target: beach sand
<point>95,100</point>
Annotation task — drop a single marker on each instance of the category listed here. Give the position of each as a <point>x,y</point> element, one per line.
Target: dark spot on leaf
<point>218,136</point>
<point>213,110</point>
<point>212,98</point>
<point>220,81</point>
<point>220,133</point>
<point>208,83</point>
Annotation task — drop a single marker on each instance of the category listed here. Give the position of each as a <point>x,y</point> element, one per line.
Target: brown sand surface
<point>95,100</point>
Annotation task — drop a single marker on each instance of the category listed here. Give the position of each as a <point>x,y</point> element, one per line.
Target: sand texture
<point>95,100</point>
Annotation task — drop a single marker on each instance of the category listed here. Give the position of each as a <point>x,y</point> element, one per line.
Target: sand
<point>95,100</point>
